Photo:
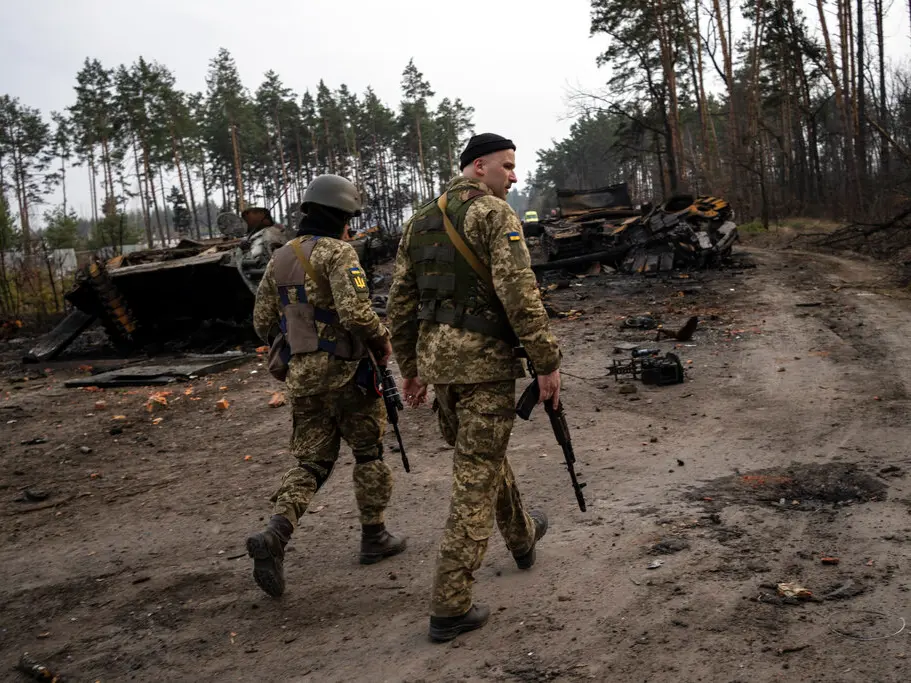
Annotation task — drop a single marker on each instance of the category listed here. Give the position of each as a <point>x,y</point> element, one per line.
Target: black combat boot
<point>377,543</point>
<point>447,628</point>
<point>267,548</point>
<point>526,560</point>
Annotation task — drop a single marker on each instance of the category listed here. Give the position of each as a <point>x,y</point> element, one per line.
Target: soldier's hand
<point>549,388</point>
<point>384,353</point>
<point>415,391</point>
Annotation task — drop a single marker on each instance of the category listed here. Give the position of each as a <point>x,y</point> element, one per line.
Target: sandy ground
<point>787,443</point>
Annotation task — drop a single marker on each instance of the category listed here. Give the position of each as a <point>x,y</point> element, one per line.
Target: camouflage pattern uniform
<point>327,404</point>
<point>474,379</point>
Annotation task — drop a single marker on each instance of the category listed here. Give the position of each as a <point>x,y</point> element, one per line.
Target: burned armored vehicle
<point>602,225</point>
<point>148,298</point>
<point>196,294</point>
<point>585,221</point>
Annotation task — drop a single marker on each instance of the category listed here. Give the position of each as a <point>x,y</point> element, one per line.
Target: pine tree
<point>25,140</point>
<point>231,127</point>
<point>416,91</point>
<point>61,229</point>
<point>183,220</point>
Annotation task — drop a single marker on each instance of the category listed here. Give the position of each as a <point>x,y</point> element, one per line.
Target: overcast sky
<point>512,61</point>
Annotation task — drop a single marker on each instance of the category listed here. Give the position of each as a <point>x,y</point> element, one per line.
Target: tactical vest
<point>299,316</point>
<point>451,292</point>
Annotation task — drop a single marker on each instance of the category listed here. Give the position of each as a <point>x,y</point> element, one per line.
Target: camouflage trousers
<point>477,420</point>
<point>320,423</point>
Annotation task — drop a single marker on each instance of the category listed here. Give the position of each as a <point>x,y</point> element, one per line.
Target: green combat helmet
<point>335,192</point>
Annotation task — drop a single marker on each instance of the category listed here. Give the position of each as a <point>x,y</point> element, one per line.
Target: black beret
<point>483,144</point>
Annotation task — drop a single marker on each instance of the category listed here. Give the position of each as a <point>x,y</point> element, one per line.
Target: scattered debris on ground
<point>669,546</point>
<point>156,374</point>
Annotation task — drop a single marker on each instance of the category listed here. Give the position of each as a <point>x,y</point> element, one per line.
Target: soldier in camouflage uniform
<point>455,325</point>
<point>313,303</point>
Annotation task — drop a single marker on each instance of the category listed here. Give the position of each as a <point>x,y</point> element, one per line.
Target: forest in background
<point>788,115</point>
<point>784,109</point>
<point>188,156</point>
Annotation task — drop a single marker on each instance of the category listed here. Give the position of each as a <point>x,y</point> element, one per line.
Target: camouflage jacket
<point>339,290</point>
<point>441,354</point>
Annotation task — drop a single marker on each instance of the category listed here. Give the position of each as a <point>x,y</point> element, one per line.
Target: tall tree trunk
<point>186,167</point>
<point>417,120</point>
<point>861,144</point>
<point>206,188</point>
<point>675,145</point>
<point>63,182</point>
<point>300,166</point>
<point>885,160</point>
<point>330,153</point>
<point>733,133</point>
<point>709,146</point>
<point>285,196</point>
<point>237,171</point>
<point>176,154</point>
<point>167,223</point>
<point>275,180</point>
<point>106,167</point>
<point>841,95</point>
<point>21,183</point>
<point>754,113</point>
<point>93,188</point>
<point>143,198</point>
<point>150,179</point>
<point>848,86</point>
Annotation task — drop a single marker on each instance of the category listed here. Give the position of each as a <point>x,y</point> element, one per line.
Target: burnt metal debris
<point>649,366</point>
<point>180,370</point>
<point>145,300</point>
<point>602,225</point>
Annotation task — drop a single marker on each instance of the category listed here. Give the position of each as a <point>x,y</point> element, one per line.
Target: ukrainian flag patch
<point>514,236</point>
<point>358,279</point>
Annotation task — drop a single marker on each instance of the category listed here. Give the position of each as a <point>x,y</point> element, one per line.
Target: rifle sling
<point>304,261</point>
<point>461,246</point>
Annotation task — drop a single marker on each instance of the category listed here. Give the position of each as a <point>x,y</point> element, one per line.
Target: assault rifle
<point>393,402</point>
<point>527,403</point>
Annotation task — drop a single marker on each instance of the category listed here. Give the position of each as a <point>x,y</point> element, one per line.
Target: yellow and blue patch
<point>514,236</point>
<point>358,279</point>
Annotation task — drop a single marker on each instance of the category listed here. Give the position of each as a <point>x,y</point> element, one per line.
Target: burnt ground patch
<point>795,487</point>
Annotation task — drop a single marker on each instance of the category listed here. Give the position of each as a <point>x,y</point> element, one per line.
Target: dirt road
<point>787,443</point>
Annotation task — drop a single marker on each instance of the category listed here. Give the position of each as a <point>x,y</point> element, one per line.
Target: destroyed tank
<point>199,292</point>
<point>149,298</point>
<point>600,225</point>
<point>586,220</point>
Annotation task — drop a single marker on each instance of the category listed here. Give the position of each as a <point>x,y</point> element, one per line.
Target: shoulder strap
<point>302,257</point>
<point>461,246</point>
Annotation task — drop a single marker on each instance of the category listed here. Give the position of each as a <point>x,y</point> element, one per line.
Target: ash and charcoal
<point>798,487</point>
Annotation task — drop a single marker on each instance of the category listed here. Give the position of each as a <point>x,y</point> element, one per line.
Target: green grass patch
<point>751,228</point>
